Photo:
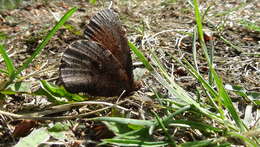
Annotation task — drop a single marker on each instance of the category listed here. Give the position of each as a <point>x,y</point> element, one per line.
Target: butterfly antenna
<point>110,5</point>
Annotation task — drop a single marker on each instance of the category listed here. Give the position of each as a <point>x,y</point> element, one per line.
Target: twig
<point>65,107</point>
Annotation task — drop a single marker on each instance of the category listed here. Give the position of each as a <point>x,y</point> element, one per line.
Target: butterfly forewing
<point>105,28</point>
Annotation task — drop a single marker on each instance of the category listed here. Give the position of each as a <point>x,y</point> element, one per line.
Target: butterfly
<point>101,64</point>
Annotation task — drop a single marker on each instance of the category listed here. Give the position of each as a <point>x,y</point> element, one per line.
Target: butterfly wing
<point>106,29</point>
<point>101,66</point>
<point>88,67</point>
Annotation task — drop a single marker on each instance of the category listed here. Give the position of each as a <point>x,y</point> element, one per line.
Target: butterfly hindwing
<point>88,67</point>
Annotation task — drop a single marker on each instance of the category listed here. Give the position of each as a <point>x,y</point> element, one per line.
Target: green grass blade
<point>165,130</point>
<point>246,139</point>
<point>228,103</point>
<point>147,123</point>
<point>201,143</point>
<point>196,125</point>
<point>213,95</point>
<point>4,71</point>
<point>233,9</point>
<point>197,75</point>
<point>237,49</point>
<point>140,55</point>
<point>221,118</point>
<point>200,30</point>
<point>250,25</point>
<point>45,41</point>
<point>177,112</point>
<point>198,20</point>
<point>131,142</point>
<point>8,62</point>
<point>177,91</point>
<point>166,81</point>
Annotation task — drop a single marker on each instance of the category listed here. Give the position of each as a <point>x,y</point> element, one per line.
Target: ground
<point>161,27</point>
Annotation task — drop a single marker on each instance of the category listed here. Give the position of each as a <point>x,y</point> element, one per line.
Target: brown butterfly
<point>101,65</point>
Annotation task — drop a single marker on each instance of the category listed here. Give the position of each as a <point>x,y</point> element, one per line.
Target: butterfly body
<point>101,65</point>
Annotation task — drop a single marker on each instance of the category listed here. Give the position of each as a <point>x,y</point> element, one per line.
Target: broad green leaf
<point>60,92</point>
<point>238,89</point>
<point>19,87</point>
<point>34,139</point>
<point>124,131</point>
<point>58,127</point>
<point>73,29</point>
<point>42,92</point>
<point>117,128</point>
<point>59,135</point>
<point>58,130</point>
<point>92,1</point>
<point>251,95</point>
